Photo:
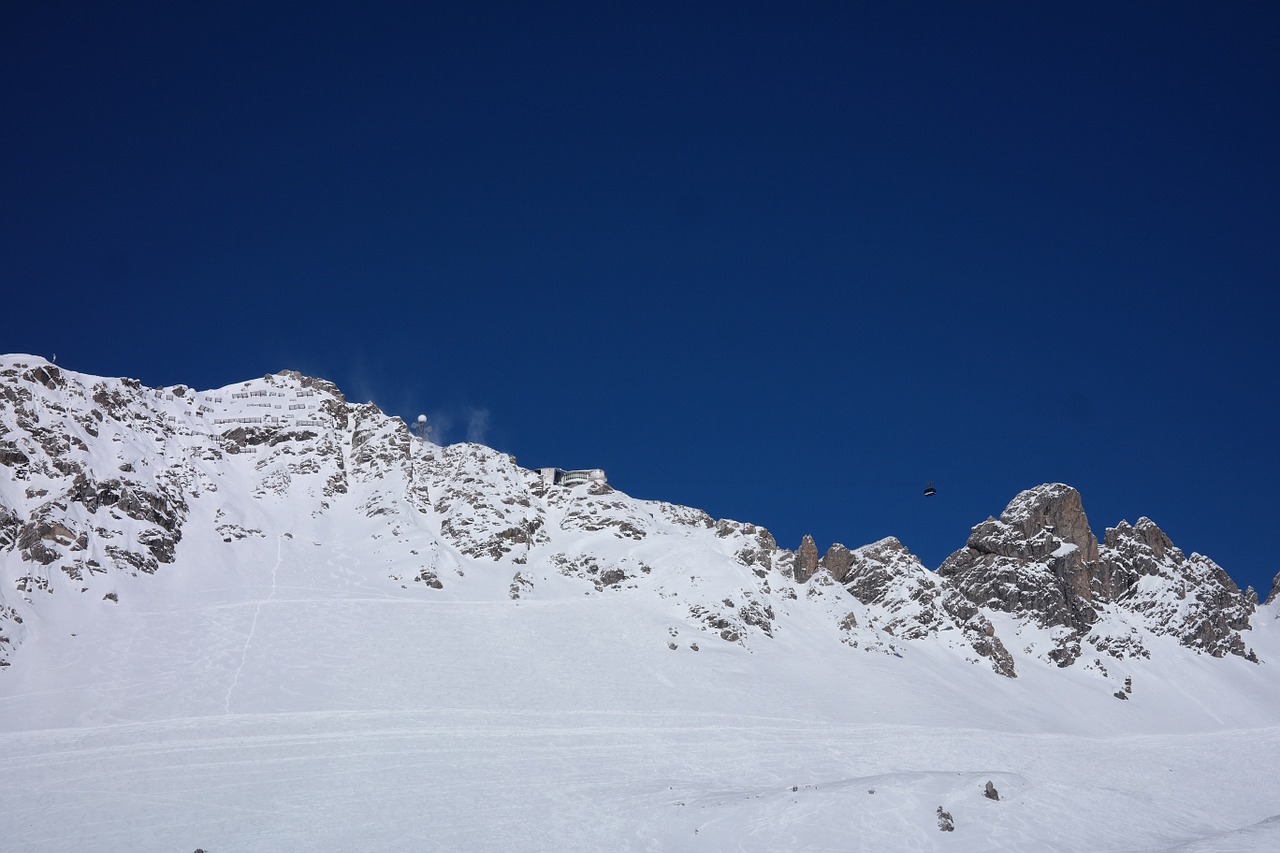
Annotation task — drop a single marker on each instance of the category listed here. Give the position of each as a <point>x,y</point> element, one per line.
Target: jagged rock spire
<point>806,563</point>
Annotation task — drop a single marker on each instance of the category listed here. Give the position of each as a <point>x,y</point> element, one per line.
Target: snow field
<point>470,780</point>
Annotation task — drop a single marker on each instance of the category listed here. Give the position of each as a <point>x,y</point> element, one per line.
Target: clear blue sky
<point>784,262</point>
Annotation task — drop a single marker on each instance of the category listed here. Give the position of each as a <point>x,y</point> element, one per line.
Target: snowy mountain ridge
<point>264,617</point>
<point>101,478</point>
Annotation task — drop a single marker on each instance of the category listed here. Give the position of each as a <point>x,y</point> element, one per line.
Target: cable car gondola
<point>929,490</point>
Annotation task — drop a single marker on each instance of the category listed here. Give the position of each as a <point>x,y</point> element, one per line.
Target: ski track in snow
<point>253,624</point>
<point>534,782</point>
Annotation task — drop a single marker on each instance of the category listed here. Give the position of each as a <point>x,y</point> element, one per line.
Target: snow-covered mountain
<point>270,565</point>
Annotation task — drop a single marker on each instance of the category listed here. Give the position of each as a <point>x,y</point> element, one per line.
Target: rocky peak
<point>1038,522</point>
<point>873,569</point>
<point>911,602</point>
<point>1035,560</point>
<point>322,385</point>
<point>1192,598</point>
<point>837,562</point>
<point>806,561</point>
<point>1040,560</point>
<point>1133,551</point>
<point>1145,535</point>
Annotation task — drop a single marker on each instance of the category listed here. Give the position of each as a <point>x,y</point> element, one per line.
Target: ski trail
<point>253,625</point>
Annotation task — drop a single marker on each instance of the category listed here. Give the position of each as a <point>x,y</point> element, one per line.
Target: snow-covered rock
<point>911,603</point>
<point>1041,562</point>
<point>1190,598</point>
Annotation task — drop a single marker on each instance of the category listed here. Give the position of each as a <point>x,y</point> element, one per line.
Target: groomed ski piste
<point>298,688</point>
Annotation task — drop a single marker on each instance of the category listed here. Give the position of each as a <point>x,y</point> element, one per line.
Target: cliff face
<point>103,478</point>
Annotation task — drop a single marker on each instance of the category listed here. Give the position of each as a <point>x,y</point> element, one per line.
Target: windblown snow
<point>264,618</point>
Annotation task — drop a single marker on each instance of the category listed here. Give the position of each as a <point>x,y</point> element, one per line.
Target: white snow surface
<point>302,687</point>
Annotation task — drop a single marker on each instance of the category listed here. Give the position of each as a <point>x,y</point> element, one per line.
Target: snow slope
<point>348,639</point>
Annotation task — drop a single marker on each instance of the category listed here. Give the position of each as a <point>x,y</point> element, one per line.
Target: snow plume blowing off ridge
<point>264,617</point>
<point>478,426</point>
<point>444,424</point>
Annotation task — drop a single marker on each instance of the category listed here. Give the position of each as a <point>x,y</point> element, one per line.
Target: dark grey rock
<point>1033,560</point>
<point>806,562</point>
<point>837,562</point>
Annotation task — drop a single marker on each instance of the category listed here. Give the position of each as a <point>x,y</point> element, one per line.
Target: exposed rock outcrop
<point>917,603</point>
<point>806,561</point>
<point>1190,598</point>
<point>1040,561</point>
<point>1034,560</point>
<point>484,503</point>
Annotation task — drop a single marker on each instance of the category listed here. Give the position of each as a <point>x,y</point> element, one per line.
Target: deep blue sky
<point>782,262</point>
